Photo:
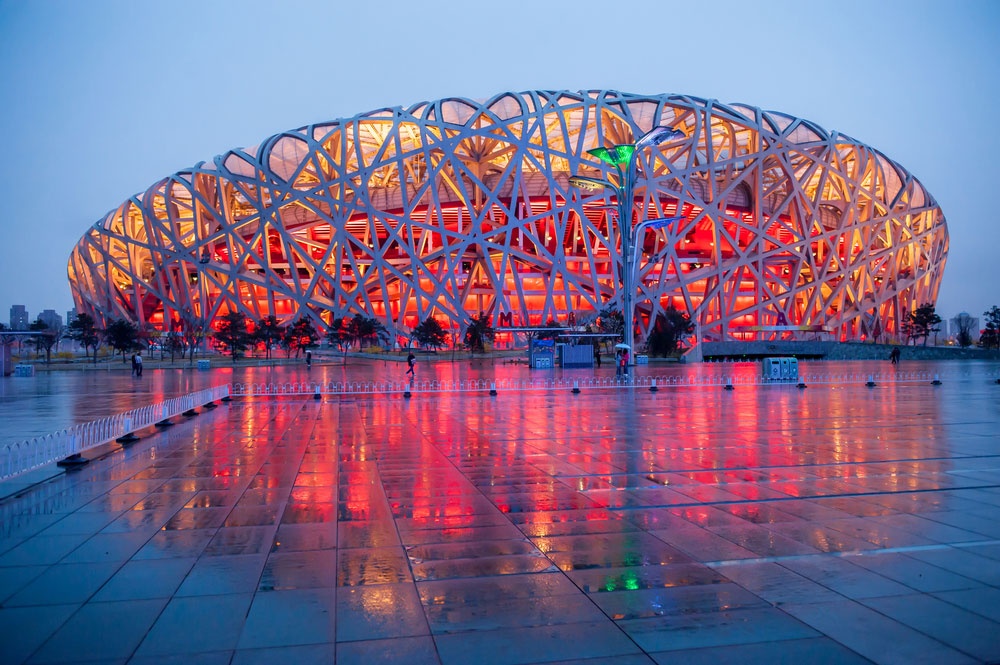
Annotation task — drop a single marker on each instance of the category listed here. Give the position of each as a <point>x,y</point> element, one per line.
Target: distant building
<point>51,318</point>
<point>963,321</point>
<point>18,317</point>
<point>70,316</point>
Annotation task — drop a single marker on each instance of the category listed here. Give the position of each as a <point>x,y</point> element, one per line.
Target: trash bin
<point>780,369</point>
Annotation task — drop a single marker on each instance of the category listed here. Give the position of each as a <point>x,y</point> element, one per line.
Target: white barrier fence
<point>491,386</point>
<point>18,458</point>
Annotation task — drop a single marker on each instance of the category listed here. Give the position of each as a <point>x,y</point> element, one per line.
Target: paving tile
<point>299,570</point>
<point>534,644</point>
<point>101,631</point>
<point>42,550</point>
<point>815,651</point>
<point>378,565</point>
<point>671,632</point>
<point>874,635</point>
<point>308,654</point>
<point>289,618</point>
<point>379,612</point>
<point>604,580</point>
<point>145,579</point>
<point>223,575</point>
<point>400,650</point>
<point>653,602</point>
<point>963,630</point>
<point>14,578</point>
<point>914,573</point>
<point>844,577</point>
<point>63,584</point>
<point>197,624</point>
<point>24,629</point>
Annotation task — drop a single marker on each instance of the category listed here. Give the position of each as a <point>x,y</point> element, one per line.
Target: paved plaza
<point>834,524</point>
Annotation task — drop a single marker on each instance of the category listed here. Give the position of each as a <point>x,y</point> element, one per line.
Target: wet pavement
<point>768,524</point>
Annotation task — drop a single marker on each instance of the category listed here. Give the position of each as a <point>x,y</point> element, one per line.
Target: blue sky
<point>102,98</point>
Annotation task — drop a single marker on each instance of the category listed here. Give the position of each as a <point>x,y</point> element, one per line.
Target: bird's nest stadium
<point>770,227</point>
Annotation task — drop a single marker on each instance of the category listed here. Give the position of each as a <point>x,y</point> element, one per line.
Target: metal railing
<point>408,388</point>
<point>18,458</point>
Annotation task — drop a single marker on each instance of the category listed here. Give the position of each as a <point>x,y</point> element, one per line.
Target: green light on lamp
<point>616,156</point>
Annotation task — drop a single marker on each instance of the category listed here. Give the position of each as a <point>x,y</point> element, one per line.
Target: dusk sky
<point>103,98</point>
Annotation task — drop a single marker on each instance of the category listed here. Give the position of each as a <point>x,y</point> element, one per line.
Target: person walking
<point>409,361</point>
<point>134,366</point>
<point>309,358</point>
<point>894,355</point>
<point>597,354</point>
<point>618,363</point>
<point>138,364</point>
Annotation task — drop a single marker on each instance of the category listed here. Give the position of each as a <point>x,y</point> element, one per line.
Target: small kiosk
<point>542,354</point>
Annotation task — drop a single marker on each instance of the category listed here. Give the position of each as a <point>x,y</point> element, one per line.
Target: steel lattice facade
<point>456,207</point>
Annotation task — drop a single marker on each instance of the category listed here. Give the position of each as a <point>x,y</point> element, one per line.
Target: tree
<point>173,343</point>
<point>191,333</point>
<point>83,331</point>
<point>268,332</point>
<point>668,330</point>
<point>478,332</point>
<point>990,337</point>
<point>337,335</point>
<point>122,336</point>
<point>300,335</point>
<point>44,339</point>
<point>430,333</point>
<point>365,328</point>
<point>925,321</point>
<point>612,321</point>
<point>964,334</point>
<point>550,330</point>
<point>233,334</point>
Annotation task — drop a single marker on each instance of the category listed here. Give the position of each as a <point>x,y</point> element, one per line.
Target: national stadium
<point>758,225</point>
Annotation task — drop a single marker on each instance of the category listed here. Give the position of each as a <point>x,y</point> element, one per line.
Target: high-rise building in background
<point>18,317</point>
<point>51,318</point>
<point>70,316</point>
<point>965,321</point>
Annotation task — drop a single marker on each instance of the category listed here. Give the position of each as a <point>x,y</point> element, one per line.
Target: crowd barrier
<point>653,383</point>
<point>67,446</point>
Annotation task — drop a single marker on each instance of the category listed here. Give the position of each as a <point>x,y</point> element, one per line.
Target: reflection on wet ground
<point>837,524</point>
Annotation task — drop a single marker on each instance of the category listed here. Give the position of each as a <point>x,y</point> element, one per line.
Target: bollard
<point>576,387</point>
<point>800,385</point>
<point>75,460</point>
<point>936,381</point>
<point>406,393</point>
<point>316,394</point>
<point>493,389</point>
<point>729,383</point>
<point>652,387</point>
<point>871,381</point>
<point>128,437</point>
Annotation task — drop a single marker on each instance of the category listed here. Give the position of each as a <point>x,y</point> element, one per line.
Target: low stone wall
<point>841,351</point>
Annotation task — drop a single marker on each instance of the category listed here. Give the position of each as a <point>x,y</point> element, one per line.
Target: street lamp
<point>622,157</point>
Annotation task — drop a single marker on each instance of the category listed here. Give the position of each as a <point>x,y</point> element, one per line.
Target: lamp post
<point>622,157</point>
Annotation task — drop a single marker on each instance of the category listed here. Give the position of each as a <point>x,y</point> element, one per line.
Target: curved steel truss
<point>456,207</point>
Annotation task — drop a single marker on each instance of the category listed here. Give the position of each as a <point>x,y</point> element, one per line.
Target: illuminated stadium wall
<point>456,207</point>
